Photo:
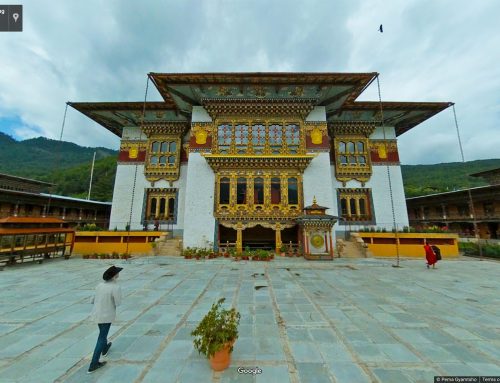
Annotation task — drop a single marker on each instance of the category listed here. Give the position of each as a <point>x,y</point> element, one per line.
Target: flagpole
<point>91,175</point>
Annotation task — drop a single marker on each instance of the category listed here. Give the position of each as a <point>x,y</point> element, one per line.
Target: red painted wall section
<point>123,156</point>
<point>206,145</point>
<point>325,144</point>
<point>392,156</point>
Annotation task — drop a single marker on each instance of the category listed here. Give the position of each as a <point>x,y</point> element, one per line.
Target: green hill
<point>428,179</point>
<point>37,157</point>
<point>63,163</point>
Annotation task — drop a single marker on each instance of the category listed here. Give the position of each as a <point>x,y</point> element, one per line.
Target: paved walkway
<point>353,321</point>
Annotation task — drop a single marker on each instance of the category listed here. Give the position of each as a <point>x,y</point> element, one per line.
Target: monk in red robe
<point>430,256</point>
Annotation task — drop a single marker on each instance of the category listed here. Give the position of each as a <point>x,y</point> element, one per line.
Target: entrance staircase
<point>168,246</point>
<point>353,248</point>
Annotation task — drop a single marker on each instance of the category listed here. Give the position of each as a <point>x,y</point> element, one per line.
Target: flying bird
<point>381,29</point>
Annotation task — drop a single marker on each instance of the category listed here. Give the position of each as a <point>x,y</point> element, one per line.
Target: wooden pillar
<point>306,242</point>
<point>331,242</point>
<point>239,238</point>
<point>326,242</point>
<point>157,212</point>
<point>278,238</point>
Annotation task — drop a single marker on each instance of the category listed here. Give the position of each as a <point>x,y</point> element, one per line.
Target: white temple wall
<point>199,221</point>
<point>122,197</point>
<point>317,182</point>
<point>381,200</point>
<point>379,183</point>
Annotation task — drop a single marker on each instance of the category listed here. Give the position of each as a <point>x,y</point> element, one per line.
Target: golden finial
<point>314,200</point>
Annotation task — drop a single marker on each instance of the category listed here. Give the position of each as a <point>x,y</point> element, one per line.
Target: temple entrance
<point>227,234</point>
<point>265,236</point>
<point>259,237</point>
<point>290,235</point>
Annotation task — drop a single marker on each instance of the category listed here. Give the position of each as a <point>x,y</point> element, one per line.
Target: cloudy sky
<point>431,50</point>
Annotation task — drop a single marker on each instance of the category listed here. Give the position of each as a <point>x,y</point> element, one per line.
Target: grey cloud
<point>102,51</point>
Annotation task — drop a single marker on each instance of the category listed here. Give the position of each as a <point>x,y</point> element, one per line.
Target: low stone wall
<point>410,244</point>
<point>139,242</point>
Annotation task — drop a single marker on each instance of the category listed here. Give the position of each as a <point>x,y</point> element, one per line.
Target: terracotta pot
<point>221,359</point>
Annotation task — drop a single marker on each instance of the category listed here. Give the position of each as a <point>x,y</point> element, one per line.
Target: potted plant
<point>283,249</point>
<point>187,253</point>
<point>216,334</point>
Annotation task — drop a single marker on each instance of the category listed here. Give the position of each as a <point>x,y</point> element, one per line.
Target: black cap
<point>111,272</point>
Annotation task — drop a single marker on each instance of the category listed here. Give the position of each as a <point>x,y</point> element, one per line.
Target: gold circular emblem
<point>317,241</point>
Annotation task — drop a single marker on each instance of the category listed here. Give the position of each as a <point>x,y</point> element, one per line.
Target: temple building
<point>236,157</point>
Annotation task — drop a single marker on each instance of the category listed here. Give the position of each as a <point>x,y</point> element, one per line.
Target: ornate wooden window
<point>224,137</point>
<point>355,204</point>
<point>160,204</point>
<point>293,191</point>
<point>257,193</point>
<point>241,138</point>
<point>241,191</point>
<point>292,135</point>
<point>163,153</point>
<point>224,191</point>
<point>258,137</point>
<point>352,158</point>
<point>163,158</point>
<point>275,191</point>
<point>352,153</point>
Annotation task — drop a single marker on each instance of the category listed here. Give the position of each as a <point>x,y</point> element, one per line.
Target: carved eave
<point>275,223</point>
<point>169,175</point>
<point>218,162</point>
<point>172,128</point>
<point>364,128</point>
<point>268,107</point>
<point>360,177</point>
<point>317,222</point>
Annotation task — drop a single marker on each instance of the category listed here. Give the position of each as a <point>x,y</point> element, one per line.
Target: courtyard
<point>346,321</point>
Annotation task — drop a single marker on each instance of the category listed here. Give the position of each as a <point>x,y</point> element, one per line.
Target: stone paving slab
<point>351,320</point>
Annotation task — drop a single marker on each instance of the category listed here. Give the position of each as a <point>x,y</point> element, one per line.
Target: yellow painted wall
<point>118,246</point>
<point>411,250</point>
